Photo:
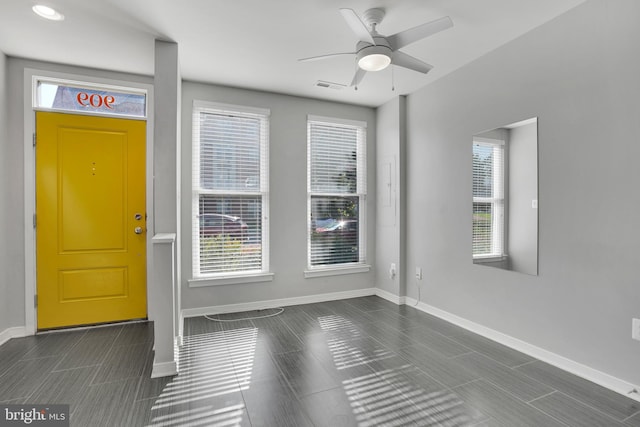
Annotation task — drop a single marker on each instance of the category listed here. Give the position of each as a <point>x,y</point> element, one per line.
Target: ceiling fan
<point>374,52</point>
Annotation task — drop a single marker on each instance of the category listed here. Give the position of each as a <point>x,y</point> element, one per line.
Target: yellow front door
<point>91,222</point>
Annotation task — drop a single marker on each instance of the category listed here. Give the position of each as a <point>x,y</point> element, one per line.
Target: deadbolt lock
<point>137,217</point>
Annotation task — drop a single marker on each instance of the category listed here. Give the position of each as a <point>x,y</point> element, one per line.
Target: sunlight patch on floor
<point>214,368</point>
<point>387,397</point>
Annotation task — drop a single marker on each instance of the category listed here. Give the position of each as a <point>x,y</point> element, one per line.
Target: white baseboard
<point>391,297</point>
<point>165,369</point>
<point>578,369</point>
<point>17,332</point>
<point>261,305</point>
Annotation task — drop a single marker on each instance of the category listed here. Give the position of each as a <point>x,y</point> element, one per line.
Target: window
<point>488,198</point>
<point>64,95</point>
<point>230,190</point>
<point>336,169</point>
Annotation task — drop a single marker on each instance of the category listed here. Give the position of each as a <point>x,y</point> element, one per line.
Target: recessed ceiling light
<point>47,13</point>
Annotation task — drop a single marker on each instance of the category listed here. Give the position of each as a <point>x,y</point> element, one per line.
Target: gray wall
<point>390,150</point>
<point>5,226</point>
<point>165,139</point>
<point>579,75</point>
<point>13,158</point>
<point>288,199</point>
<point>522,239</point>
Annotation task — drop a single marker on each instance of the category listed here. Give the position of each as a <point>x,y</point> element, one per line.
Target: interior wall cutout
<point>505,197</point>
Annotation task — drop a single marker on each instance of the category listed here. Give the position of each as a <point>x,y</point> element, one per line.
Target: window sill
<point>489,259</point>
<point>202,282</point>
<point>337,271</point>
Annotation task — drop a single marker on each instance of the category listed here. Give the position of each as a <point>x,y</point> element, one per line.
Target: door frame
<point>31,77</point>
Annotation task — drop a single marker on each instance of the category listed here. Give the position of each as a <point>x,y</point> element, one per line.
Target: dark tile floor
<point>358,362</point>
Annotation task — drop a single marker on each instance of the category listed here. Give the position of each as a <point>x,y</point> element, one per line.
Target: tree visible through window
<point>336,191</point>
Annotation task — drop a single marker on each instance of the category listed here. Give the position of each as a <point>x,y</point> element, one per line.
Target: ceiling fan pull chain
<point>393,80</point>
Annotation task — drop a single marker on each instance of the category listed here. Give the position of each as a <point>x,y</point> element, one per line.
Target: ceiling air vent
<point>337,86</point>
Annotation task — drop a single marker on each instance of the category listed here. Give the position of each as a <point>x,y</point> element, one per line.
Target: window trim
<point>493,257</point>
<point>337,270</point>
<point>230,279</point>
<point>361,193</point>
<point>241,276</point>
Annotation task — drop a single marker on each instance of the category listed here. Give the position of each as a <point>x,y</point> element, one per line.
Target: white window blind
<point>488,198</point>
<point>336,165</point>
<point>230,190</point>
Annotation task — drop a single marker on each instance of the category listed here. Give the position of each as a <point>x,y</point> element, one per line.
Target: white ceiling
<point>256,43</point>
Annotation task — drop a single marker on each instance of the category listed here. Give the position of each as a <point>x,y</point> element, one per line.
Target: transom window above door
<point>104,100</point>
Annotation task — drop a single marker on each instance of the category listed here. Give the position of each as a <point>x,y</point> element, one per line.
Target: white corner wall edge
<point>605,380</point>
<point>391,297</point>
<point>261,305</point>
<point>17,332</point>
<point>165,369</point>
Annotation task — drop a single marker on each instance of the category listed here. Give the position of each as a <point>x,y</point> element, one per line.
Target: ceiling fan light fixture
<point>374,62</point>
<point>47,13</point>
<point>374,58</point>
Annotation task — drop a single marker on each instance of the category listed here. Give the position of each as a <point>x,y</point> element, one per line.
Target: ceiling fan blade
<point>358,76</point>
<point>403,38</point>
<point>331,55</point>
<point>401,59</point>
<point>357,26</point>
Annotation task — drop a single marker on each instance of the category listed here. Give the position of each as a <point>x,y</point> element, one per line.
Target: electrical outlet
<point>635,329</point>
<point>418,273</point>
<point>392,271</point>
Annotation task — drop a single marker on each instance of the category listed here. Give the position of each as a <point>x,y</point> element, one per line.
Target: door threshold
<point>92,326</point>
